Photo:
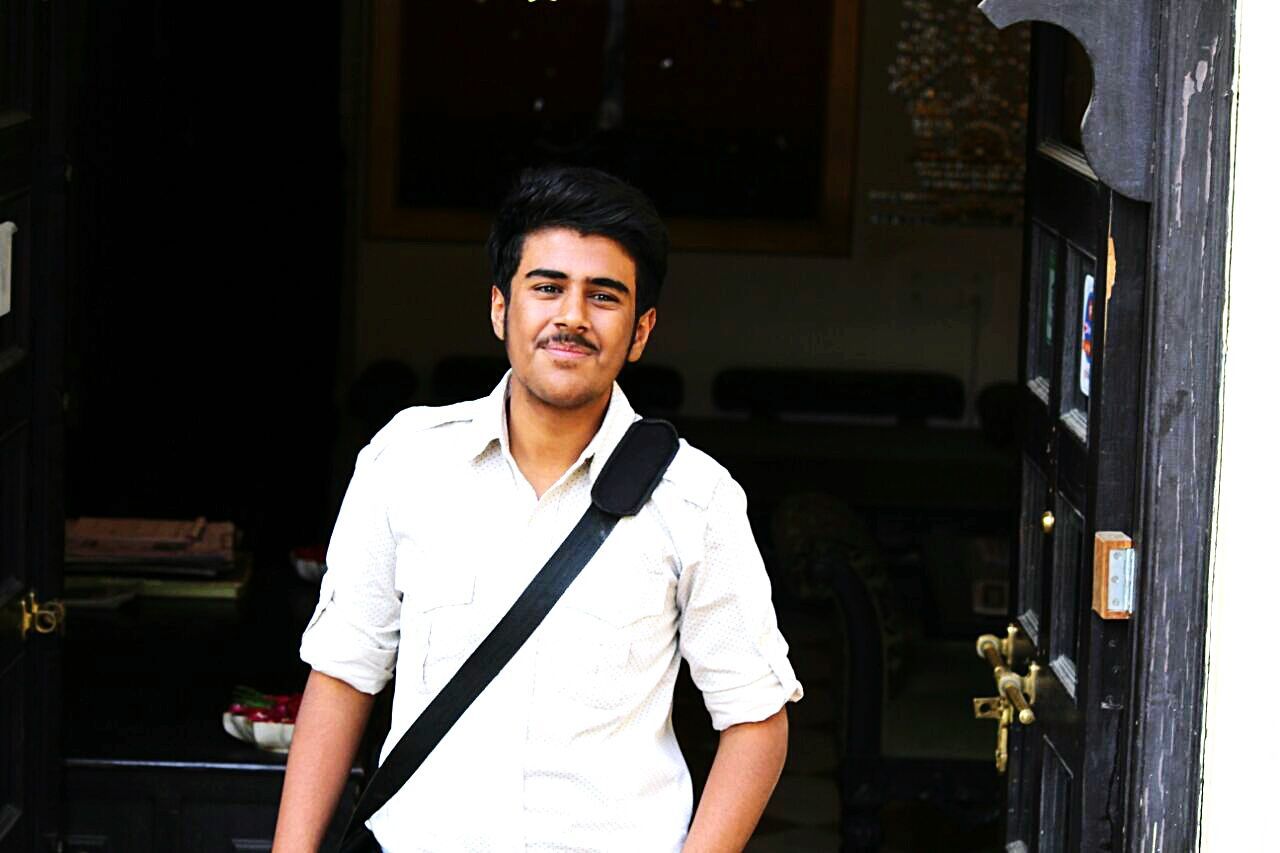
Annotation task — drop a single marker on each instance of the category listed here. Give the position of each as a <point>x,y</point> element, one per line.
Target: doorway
<point>876,386</point>
<point>873,397</point>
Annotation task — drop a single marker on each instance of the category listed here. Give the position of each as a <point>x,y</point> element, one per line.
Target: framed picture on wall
<point>738,117</point>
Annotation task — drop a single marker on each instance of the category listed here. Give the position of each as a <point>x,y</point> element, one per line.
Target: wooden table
<point>148,765</point>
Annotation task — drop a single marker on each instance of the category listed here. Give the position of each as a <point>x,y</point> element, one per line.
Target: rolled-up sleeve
<point>729,632</point>
<point>355,631</point>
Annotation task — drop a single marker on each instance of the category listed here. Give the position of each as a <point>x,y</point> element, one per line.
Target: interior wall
<point>924,297</point>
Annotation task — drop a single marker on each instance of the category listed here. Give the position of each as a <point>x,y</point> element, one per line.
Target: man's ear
<point>498,312</point>
<point>644,328</point>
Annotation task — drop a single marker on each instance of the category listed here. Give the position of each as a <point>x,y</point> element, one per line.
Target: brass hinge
<point>44,618</point>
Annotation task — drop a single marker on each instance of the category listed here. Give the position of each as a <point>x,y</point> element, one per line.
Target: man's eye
<point>547,288</point>
<point>604,297</point>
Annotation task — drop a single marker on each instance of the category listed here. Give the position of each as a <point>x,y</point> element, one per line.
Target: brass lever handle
<point>996,651</point>
<point>43,618</point>
<point>989,650</point>
<point>1015,692</point>
<point>1011,687</point>
<point>998,709</point>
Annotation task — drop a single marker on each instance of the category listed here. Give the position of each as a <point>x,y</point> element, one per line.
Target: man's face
<point>570,323</point>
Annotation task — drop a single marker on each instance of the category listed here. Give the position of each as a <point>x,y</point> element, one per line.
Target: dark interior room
<point>274,242</point>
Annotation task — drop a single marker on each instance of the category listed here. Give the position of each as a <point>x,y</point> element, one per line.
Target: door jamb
<point>1180,403</point>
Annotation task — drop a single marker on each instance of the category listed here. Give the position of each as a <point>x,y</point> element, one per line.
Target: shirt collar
<point>490,425</point>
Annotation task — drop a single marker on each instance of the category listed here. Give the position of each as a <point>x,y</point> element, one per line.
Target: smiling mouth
<point>566,351</point>
<point>568,346</point>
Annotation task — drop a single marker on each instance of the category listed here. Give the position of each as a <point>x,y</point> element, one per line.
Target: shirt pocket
<point>606,636</point>
<point>438,618</point>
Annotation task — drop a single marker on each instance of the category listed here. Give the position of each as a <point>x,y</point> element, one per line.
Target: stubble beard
<point>533,388</point>
<point>571,403</point>
<point>579,398</point>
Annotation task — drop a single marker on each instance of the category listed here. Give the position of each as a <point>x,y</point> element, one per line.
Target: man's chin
<point>565,395</point>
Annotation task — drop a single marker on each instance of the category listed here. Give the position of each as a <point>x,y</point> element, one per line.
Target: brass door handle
<point>46,618</point>
<point>991,650</point>
<point>999,651</point>
<point>997,708</point>
<point>1020,692</point>
<point>1014,692</point>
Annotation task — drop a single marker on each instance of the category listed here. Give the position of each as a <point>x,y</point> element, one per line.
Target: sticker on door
<point>7,230</point>
<point>1086,335</point>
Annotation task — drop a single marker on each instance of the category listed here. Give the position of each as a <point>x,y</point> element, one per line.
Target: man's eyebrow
<point>601,281</point>
<point>611,283</point>
<point>541,273</point>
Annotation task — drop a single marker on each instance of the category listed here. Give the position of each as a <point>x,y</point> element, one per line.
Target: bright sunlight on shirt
<point>571,746</point>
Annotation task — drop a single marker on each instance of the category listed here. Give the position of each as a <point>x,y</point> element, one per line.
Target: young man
<point>450,513</point>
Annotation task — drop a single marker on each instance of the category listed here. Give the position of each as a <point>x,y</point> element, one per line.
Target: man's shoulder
<point>694,475</point>
<point>417,426</point>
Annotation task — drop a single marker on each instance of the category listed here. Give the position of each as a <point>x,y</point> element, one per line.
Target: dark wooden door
<point>1082,311</point>
<point>31,256</point>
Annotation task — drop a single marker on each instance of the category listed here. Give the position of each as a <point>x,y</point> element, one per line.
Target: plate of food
<point>262,719</point>
<point>309,562</point>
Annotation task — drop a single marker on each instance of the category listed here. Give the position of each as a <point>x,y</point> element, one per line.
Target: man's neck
<point>546,440</point>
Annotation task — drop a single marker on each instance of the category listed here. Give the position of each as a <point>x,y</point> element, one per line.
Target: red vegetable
<point>265,707</point>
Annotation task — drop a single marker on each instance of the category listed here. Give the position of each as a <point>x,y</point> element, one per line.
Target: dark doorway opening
<point>235,334</point>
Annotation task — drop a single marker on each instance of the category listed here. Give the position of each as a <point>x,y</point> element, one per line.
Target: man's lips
<point>567,346</point>
<point>560,350</point>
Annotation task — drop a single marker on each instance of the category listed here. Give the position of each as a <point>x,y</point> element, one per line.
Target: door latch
<point>46,618</point>
<point>1015,692</point>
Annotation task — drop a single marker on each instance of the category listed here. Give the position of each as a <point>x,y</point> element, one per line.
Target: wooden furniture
<point>906,729</point>
<point>148,766</point>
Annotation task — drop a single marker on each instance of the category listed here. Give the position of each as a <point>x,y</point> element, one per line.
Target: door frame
<point>50,185</point>
<point>1186,150</point>
<point>43,29</point>
<point>1179,412</point>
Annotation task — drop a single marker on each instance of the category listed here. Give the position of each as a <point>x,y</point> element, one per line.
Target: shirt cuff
<point>340,650</point>
<point>759,700</point>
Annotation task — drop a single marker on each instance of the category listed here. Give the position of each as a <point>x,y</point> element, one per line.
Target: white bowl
<point>309,570</point>
<point>273,737</point>
<point>238,726</point>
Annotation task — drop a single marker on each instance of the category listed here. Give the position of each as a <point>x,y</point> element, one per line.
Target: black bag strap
<point>625,484</point>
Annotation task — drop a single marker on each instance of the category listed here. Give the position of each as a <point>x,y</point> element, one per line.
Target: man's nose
<point>573,310</point>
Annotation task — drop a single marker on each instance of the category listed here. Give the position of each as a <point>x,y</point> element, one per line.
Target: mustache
<point>568,338</point>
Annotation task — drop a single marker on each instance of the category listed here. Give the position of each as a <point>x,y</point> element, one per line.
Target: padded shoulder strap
<point>635,467</point>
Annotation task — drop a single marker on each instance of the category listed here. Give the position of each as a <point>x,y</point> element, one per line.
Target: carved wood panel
<point>1118,127</point>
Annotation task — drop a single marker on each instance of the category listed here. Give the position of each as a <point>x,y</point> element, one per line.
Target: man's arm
<point>330,724</point>
<point>748,763</point>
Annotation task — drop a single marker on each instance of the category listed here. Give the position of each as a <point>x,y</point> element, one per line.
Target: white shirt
<point>571,746</point>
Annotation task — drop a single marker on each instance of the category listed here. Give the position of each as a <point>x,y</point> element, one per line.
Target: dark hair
<point>590,202</point>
